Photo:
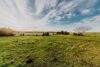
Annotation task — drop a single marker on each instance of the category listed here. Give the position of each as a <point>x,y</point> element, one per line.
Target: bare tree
<point>82,29</point>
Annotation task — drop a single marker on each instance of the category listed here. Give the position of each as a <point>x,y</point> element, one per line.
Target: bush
<point>78,34</point>
<point>45,34</point>
<point>6,32</point>
<point>66,33</point>
<point>22,35</point>
<point>63,33</point>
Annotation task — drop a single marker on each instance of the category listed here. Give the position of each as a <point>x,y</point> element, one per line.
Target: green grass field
<point>50,51</point>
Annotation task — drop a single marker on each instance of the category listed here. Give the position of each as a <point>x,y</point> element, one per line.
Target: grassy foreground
<point>50,51</point>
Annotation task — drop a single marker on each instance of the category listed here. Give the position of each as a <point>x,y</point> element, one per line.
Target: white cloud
<point>86,11</point>
<point>44,4</point>
<point>93,22</point>
<point>17,14</point>
<point>68,8</point>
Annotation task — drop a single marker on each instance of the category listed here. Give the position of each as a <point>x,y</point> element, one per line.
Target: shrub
<point>36,35</point>
<point>6,32</point>
<point>78,34</point>
<point>63,33</point>
<point>66,33</point>
<point>45,34</point>
<point>53,33</point>
<point>22,35</point>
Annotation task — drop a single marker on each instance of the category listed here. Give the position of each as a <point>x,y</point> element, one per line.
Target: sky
<point>49,15</point>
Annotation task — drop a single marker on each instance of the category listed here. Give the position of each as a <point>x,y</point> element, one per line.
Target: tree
<point>62,33</point>
<point>45,34</point>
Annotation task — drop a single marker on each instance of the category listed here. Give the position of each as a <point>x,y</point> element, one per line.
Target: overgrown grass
<point>50,51</point>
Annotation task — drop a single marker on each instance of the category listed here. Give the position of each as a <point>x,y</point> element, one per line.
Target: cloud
<point>18,15</point>
<point>73,8</point>
<point>93,22</point>
<point>42,5</point>
<point>86,11</point>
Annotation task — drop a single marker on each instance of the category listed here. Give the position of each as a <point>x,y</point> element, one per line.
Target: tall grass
<point>51,51</point>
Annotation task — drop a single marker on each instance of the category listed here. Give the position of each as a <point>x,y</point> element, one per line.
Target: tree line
<point>78,31</point>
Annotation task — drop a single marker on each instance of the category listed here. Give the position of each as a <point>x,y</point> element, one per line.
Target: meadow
<point>50,51</point>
